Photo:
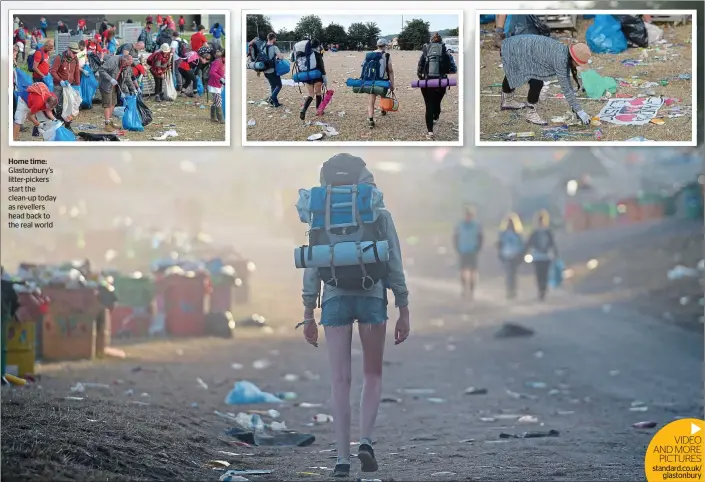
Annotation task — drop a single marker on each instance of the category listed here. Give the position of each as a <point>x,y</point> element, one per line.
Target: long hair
<point>573,70</point>
<point>436,38</point>
<point>516,222</point>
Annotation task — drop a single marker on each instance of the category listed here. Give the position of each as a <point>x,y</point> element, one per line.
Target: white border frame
<point>367,10</point>
<point>172,143</point>
<point>595,143</point>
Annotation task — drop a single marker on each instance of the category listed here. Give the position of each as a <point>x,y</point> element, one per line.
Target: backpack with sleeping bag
<point>348,242</point>
<point>374,67</point>
<point>305,66</point>
<point>262,61</point>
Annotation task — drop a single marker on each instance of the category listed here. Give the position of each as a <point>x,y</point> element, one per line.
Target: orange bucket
<point>389,104</point>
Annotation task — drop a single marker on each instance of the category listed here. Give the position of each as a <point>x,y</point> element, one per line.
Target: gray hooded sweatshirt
<point>397,281</point>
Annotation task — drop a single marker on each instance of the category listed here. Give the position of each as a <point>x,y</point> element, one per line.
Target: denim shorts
<point>344,310</point>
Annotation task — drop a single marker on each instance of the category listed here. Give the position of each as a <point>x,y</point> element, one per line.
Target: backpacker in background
<point>184,48</point>
<point>437,63</point>
<point>259,53</point>
<point>304,58</point>
<point>348,242</point>
<point>166,36</point>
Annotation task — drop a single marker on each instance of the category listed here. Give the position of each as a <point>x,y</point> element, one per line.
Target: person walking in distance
<point>347,299</point>
<point>468,240</point>
<point>510,246</point>
<point>543,250</point>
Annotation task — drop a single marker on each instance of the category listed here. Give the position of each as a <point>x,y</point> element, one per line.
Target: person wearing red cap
<point>534,59</point>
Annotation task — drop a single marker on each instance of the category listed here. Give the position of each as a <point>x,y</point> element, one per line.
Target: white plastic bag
<point>303,206</point>
<point>654,33</point>
<point>169,89</point>
<point>71,104</point>
<point>49,130</point>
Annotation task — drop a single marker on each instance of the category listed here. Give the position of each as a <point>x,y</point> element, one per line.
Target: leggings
<point>535,87</point>
<point>217,100</point>
<point>541,268</point>
<point>188,77</point>
<point>432,98</point>
<point>158,85</point>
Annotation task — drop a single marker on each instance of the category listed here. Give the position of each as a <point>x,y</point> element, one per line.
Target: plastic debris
<point>251,123</point>
<point>202,384</point>
<point>439,474</point>
<point>230,477</point>
<point>436,400</point>
<point>475,391</point>
<point>253,321</point>
<point>680,272</point>
<point>290,377</point>
<point>417,391</point>
<point>647,424</point>
<point>287,395</point>
<point>512,330</point>
<point>261,364</point>
<point>550,433</point>
<point>315,137</point>
<point>322,418</point>
<point>217,464</point>
<point>245,392</point>
<point>528,419</point>
<point>537,385</point>
<point>166,135</point>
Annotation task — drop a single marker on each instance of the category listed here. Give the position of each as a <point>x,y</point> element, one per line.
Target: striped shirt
<point>527,57</point>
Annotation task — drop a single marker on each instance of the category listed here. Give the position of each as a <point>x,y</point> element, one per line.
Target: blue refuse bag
<point>24,80</point>
<point>555,274</point>
<point>64,135</point>
<point>282,67</point>
<point>605,35</point>
<point>485,19</point>
<point>131,120</point>
<point>246,393</point>
<point>199,86</point>
<point>89,86</point>
<point>49,82</point>
<point>222,98</point>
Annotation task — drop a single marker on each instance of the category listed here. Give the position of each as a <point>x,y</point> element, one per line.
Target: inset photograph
<point>586,77</point>
<point>352,78</point>
<point>142,77</point>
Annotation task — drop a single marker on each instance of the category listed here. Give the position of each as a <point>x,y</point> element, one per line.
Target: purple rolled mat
<point>434,82</point>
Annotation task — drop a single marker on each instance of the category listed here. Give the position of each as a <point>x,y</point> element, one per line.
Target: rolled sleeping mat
<point>452,81</point>
<point>258,66</point>
<point>344,254</point>
<point>360,83</point>
<point>307,76</point>
<point>371,89</point>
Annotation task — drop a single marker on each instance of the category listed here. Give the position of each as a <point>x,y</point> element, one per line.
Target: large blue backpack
<point>372,68</point>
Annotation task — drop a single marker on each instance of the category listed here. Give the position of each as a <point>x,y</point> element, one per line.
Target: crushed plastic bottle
<point>322,418</point>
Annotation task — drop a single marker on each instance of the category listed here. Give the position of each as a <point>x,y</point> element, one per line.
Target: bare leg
<point>339,341</point>
<point>372,339</point>
<point>16,131</point>
<point>371,99</point>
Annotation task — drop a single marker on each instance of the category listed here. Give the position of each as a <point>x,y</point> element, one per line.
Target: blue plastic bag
<point>24,80</point>
<point>247,393</point>
<point>484,19</point>
<point>89,86</point>
<point>222,98</point>
<point>282,67</point>
<point>64,135</point>
<point>49,82</point>
<point>199,85</point>
<point>555,275</point>
<point>605,35</point>
<point>131,118</point>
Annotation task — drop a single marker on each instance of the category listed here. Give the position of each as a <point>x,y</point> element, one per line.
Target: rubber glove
<point>325,80</point>
<point>584,117</point>
<point>113,82</point>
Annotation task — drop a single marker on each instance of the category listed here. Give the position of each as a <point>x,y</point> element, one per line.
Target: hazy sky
<point>388,24</point>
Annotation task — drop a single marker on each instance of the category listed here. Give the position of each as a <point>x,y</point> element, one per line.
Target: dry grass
<point>184,115</point>
<point>663,63</point>
<point>407,124</point>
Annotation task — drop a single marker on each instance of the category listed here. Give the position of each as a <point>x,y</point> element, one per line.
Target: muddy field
<point>670,62</point>
<point>347,112</point>
<point>189,117</point>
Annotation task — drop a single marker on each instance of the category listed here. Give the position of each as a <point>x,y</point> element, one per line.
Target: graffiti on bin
<point>76,324</point>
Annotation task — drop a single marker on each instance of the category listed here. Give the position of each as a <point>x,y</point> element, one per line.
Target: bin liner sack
<point>605,35</point>
<point>131,118</point>
<point>144,111</point>
<point>634,29</point>
<point>199,86</point>
<point>89,86</point>
<point>62,134</point>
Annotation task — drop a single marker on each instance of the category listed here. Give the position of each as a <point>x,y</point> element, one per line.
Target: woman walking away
<point>533,59</point>
<point>159,63</point>
<point>272,52</point>
<point>216,82</point>
<point>511,251</point>
<point>315,87</point>
<point>386,72</point>
<point>341,308</point>
<point>435,63</point>
<point>542,248</point>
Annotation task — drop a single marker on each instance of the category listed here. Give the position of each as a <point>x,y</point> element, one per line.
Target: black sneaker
<point>371,122</point>
<point>384,112</point>
<point>341,470</point>
<point>367,458</point>
<point>302,115</point>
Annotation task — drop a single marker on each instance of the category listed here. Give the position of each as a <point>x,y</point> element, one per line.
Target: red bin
<point>186,301</point>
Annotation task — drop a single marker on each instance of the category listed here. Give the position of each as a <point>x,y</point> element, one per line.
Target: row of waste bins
<point>75,323</point>
<point>687,203</point>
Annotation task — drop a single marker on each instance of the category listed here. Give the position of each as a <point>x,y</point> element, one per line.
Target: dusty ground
<point>184,115</point>
<point>594,365</point>
<point>407,124</point>
<point>662,62</point>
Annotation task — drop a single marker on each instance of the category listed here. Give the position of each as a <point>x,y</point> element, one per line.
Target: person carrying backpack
<point>543,250</point>
<point>147,37</point>
<point>435,63</point>
<point>510,247</point>
<point>308,57</point>
<point>355,290</point>
<point>267,58</point>
<point>377,66</point>
<point>468,241</point>
<point>38,63</point>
